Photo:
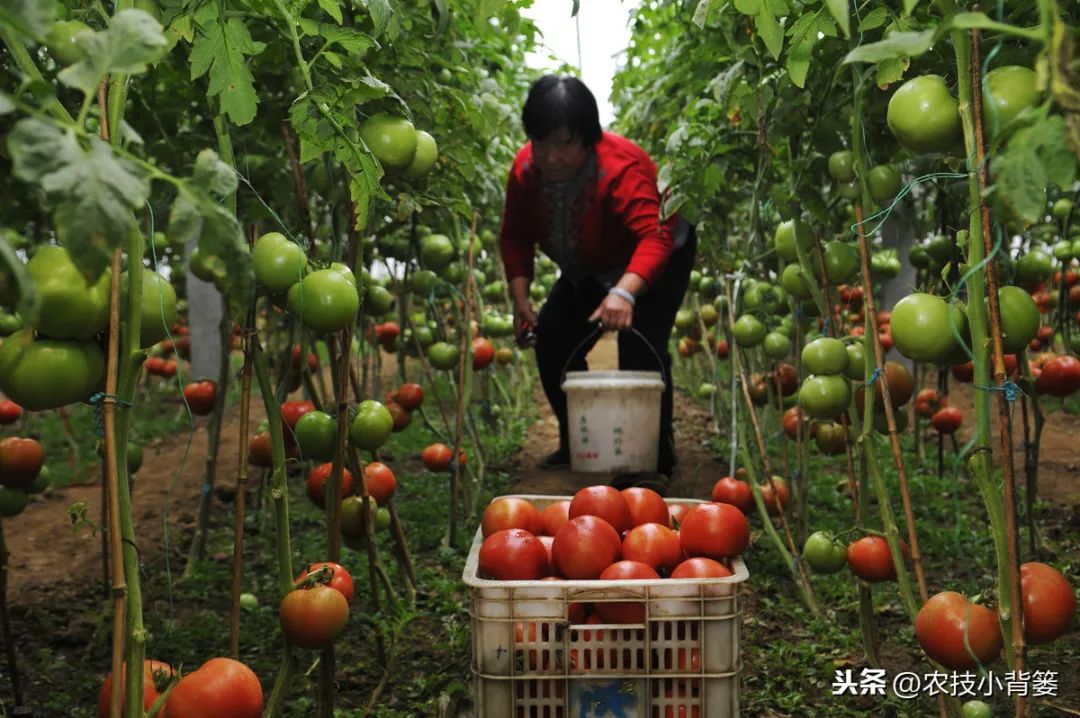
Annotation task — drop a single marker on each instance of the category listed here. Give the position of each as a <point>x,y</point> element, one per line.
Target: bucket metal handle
<point>598,330</point>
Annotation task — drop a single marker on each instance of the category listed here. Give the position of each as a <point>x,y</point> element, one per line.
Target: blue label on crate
<point>605,699</point>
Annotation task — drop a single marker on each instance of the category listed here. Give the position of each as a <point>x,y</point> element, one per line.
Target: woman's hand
<point>523,314</point>
<point>614,313</point>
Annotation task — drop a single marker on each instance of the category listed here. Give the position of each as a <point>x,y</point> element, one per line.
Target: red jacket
<point>619,226</point>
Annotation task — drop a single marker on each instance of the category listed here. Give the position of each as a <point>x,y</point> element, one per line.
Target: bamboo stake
<point>1004,420</point>
<point>241,489</point>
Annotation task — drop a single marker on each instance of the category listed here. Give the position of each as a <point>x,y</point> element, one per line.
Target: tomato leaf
<point>897,45</point>
<point>748,7</point>
<point>92,192</point>
<point>333,9</point>
<point>355,43</point>
<point>381,14</point>
<point>840,12</point>
<point>909,5</point>
<point>701,13</point>
<point>972,20</point>
<point>769,29</point>
<point>133,39</point>
<point>32,18</point>
<point>13,269</point>
<point>722,83</point>
<point>874,19</point>
<point>221,49</point>
<point>1021,180</point>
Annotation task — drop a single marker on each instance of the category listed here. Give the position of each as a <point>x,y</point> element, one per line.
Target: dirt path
<point>47,551</point>
<point>698,467</point>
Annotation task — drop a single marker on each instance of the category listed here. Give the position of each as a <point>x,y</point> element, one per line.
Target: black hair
<point>556,102</point>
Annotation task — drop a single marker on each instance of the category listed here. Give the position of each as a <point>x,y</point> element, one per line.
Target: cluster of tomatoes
<point>22,466</point>
<point>219,688</point>
<point>609,535</point>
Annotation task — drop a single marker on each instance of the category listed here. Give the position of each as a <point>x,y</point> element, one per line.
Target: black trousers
<point>563,324</point>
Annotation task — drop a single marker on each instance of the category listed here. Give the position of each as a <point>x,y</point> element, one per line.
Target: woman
<point>588,198</point>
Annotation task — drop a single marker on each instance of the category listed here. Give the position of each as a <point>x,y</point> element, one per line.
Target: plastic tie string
<point>98,401</point>
<point>873,377</point>
<point>1010,389</point>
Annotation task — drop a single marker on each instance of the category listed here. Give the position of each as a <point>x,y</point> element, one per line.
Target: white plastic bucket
<point>614,420</point>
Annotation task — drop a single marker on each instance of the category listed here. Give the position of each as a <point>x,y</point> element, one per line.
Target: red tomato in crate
<point>624,611</point>
<point>604,502</point>
<point>654,545</point>
<point>513,555</point>
<point>585,546</point>
<point>714,531</point>
<point>554,516</point>
<point>646,506</point>
<point>508,512</point>
<point>700,567</point>
<point>678,513</point>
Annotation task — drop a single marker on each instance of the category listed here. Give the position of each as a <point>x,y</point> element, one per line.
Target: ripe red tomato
<point>624,611</point>
<point>585,546</point>
<point>20,461</point>
<point>291,411</point>
<point>154,366</point>
<point>513,555</point>
<point>646,506</point>
<point>870,560</point>
<point>782,491</point>
<point>410,396</point>
<point>964,372</point>
<point>401,416</point>
<point>730,490</point>
<point>9,412</point>
<point>200,396</point>
<point>886,340</point>
<point>156,678</point>
<point>168,369</point>
<point>436,457</point>
<point>927,403</point>
<point>678,513</point>
<point>787,378</point>
<point>483,353</point>
<point>379,481</point>
<point>509,512</point>
<point>715,531</point>
<point>387,332</point>
<point>554,516</point>
<point>700,567</point>
<point>605,502</point>
<point>220,688</point>
<point>313,617</point>
<point>260,452</point>
<point>947,419</point>
<point>312,358</point>
<point>318,478</point>
<point>943,623</point>
<point>1060,376</point>
<point>653,544</point>
<point>335,576</point>
<point>722,349</point>
<point>1049,602</point>
<point>791,420</point>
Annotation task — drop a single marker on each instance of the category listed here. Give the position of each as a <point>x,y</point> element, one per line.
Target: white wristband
<point>620,292</point>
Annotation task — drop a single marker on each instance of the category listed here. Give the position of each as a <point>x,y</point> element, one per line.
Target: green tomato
<point>1019,318</point>
<point>62,41</point>
<point>794,282</point>
<point>158,307</point>
<point>326,301</point>
<point>41,482</point>
<point>940,249</point>
<point>69,308</point>
<point>378,301</point>
<point>856,362</point>
<point>705,391</point>
<point>748,331</point>
<point>785,238</point>
<point>12,501</point>
<point>343,269</point>
<point>372,425</point>
<point>1034,267</point>
<point>134,456</point>
<point>918,257</point>
<point>825,355</point>
<point>444,355</point>
<point>841,262</point>
<point>249,601</point>
<point>695,280</point>
<point>454,273</point>
<point>1062,250</point>
<point>847,190</point>
<point>1012,89</point>
<point>391,139</point>
<point>279,262</point>
<point>427,152</point>
<point>842,166</point>
<point>825,397</point>
<point>207,267</point>
<point>422,281</point>
<point>316,435</point>
<point>823,554</point>
<point>709,288</point>
<point>921,327</point>
<point>437,251</point>
<point>924,117</point>
<point>49,373</point>
<point>9,323</point>
<point>1061,209</point>
<point>976,709</point>
<point>884,182</point>
<point>685,320</point>
<point>776,345</point>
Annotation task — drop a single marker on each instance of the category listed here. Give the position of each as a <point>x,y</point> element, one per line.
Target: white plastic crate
<point>530,661</point>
